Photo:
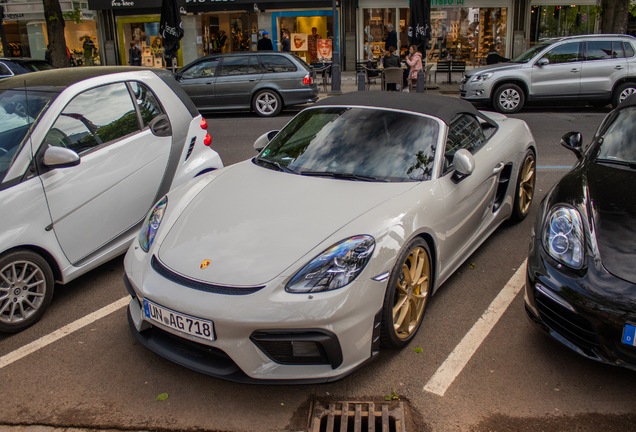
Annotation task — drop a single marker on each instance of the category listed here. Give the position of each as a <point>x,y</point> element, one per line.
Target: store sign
<point>447,2</point>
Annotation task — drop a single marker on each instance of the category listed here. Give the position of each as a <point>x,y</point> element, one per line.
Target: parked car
<point>17,66</point>
<point>581,277</point>
<point>597,69</point>
<point>83,157</point>
<point>348,220</point>
<point>263,82</point>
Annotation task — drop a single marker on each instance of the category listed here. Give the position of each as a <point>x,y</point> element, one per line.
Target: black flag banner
<point>171,28</point>
<point>420,23</point>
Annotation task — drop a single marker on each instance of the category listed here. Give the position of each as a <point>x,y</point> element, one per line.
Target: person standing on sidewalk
<point>265,44</point>
<point>286,42</point>
<point>414,60</point>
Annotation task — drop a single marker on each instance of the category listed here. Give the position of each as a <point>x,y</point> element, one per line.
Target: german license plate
<point>184,323</point>
<point>629,333</point>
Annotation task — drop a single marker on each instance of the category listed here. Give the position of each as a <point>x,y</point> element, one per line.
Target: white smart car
<point>84,154</point>
<point>299,263</point>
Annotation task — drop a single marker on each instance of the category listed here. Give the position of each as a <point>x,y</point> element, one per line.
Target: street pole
<point>335,65</point>
<point>3,38</point>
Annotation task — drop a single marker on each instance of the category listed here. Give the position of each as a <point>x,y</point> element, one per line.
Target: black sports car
<point>581,276</point>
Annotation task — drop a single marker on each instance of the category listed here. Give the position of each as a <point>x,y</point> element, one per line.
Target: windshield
<point>17,113</point>
<point>529,55</point>
<point>617,143</point>
<point>355,144</point>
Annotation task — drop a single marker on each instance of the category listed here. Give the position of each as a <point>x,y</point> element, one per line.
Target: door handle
<point>253,79</point>
<point>208,83</point>
<point>574,70</point>
<point>498,168</point>
<point>619,67</point>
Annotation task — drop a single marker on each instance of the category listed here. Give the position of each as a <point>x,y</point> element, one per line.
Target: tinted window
<point>385,145</point>
<point>15,121</point>
<point>274,64</point>
<point>95,117</point>
<point>149,106</point>
<point>4,70</point>
<point>629,49</point>
<point>563,53</point>
<point>464,132</point>
<point>242,65</point>
<point>600,50</point>
<point>205,69</point>
<point>35,66</point>
<point>618,139</point>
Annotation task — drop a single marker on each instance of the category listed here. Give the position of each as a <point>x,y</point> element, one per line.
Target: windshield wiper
<point>631,165</point>
<point>338,175</point>
<point>280,167</point>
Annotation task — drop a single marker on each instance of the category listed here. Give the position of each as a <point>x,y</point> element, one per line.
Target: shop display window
<point>311,37</point>
<point>556,21</point>
<point>228,32</point>
<point>143,32</point>
<point>375,30</point>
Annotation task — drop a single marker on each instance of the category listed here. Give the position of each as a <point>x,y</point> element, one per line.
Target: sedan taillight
<point>308,79</point>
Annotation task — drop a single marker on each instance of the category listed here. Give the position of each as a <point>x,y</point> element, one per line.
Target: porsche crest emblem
<point>204,264</point>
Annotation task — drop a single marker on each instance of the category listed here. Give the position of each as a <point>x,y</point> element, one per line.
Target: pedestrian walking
<point>134,55</point>
<point>286,42</point>
<point>414,60</point>
<point>391,39</point>
<point>265,44</point>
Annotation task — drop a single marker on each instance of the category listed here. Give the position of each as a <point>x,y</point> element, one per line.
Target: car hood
<point>252,223</point>
<point>614,208</point>
<point>494,68</point>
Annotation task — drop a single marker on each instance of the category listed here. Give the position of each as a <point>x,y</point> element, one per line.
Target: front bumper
<point>478,92</point>
<point>581,309</point>
<point>344,321</point>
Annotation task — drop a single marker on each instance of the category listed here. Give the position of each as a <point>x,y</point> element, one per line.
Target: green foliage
<point>53,17</point>
<point>417,350</point>
<point>162,397</point>
<point>75,16</point>
<point>392,396</point>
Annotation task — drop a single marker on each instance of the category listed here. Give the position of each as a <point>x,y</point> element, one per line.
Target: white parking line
<point>457,360</point>
<point>60,333</point>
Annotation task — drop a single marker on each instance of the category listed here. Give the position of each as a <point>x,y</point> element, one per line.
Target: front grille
<point>299,346</point>
<point>358,417</point>
<point>568,324</point>
<point>198,285</point>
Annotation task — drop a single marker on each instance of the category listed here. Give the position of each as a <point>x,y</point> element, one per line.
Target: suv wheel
<point>622,92</point>
<point>508,98</point>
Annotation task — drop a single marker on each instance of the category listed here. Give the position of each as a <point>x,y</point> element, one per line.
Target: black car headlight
<point>151,224</point>
<point>334,268</point>
<point>563,236</point>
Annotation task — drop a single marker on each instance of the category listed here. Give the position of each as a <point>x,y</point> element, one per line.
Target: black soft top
<point>56,80</point>
<point>443,107</point>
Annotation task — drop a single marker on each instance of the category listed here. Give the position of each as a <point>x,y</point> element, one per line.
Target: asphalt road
<point>517,379</point>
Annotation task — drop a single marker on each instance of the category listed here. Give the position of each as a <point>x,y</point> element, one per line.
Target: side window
<point>629,49</point>
<point>204,69</point>
<point>254,66</point>
<point>565,53</point>
<point>4,70</point>
<point>464,132</point>
<point>600,50</point>
<point>95,117</point>
<point>235,66</point>
<point>274,63</point>
<point>149,106</point>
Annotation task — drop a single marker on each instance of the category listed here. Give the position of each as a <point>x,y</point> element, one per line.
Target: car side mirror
<point>573,141</point>
<point>160,126</point>
<point>60,157</point>
<point>542,62</point>
<point>264,139</point>
<point>464,164</point>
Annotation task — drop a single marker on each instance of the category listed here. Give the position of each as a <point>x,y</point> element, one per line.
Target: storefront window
<point>375,30</point>
<point>142,33</point>
<point>556,21</point>
<point>310,33</point>
<point>228,32</point>
<point>467,34</point>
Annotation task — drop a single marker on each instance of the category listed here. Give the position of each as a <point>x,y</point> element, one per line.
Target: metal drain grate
<point>357,417</point>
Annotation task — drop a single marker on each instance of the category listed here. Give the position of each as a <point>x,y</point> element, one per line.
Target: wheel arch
<point>619,82</point>
<point>516,81</point>
<point>432,247</point>
<point>46,255</point>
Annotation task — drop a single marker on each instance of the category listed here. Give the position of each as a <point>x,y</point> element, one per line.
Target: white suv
<point>597,69</point>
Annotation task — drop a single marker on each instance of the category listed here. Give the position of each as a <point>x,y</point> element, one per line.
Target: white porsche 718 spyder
<point>296,265</point>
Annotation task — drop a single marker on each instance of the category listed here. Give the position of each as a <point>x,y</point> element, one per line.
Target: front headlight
<point>334,268</point>
<point>482,77</point>
<point>563,236</point>
<point>151,224</point>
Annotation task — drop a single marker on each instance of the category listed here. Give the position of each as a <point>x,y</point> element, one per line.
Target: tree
<point>615,15</point>
<point>55,32</point>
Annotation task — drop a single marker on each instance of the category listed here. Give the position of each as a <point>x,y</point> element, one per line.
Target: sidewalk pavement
<point>349,84</point>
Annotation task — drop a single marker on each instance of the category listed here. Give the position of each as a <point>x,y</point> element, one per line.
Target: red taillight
<point>207,140</point>
<point>204,124</point>
<point>308,79</point>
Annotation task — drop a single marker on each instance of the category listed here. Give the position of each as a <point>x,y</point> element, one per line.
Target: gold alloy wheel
<point>411,293</point>
<point>526,185</point>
